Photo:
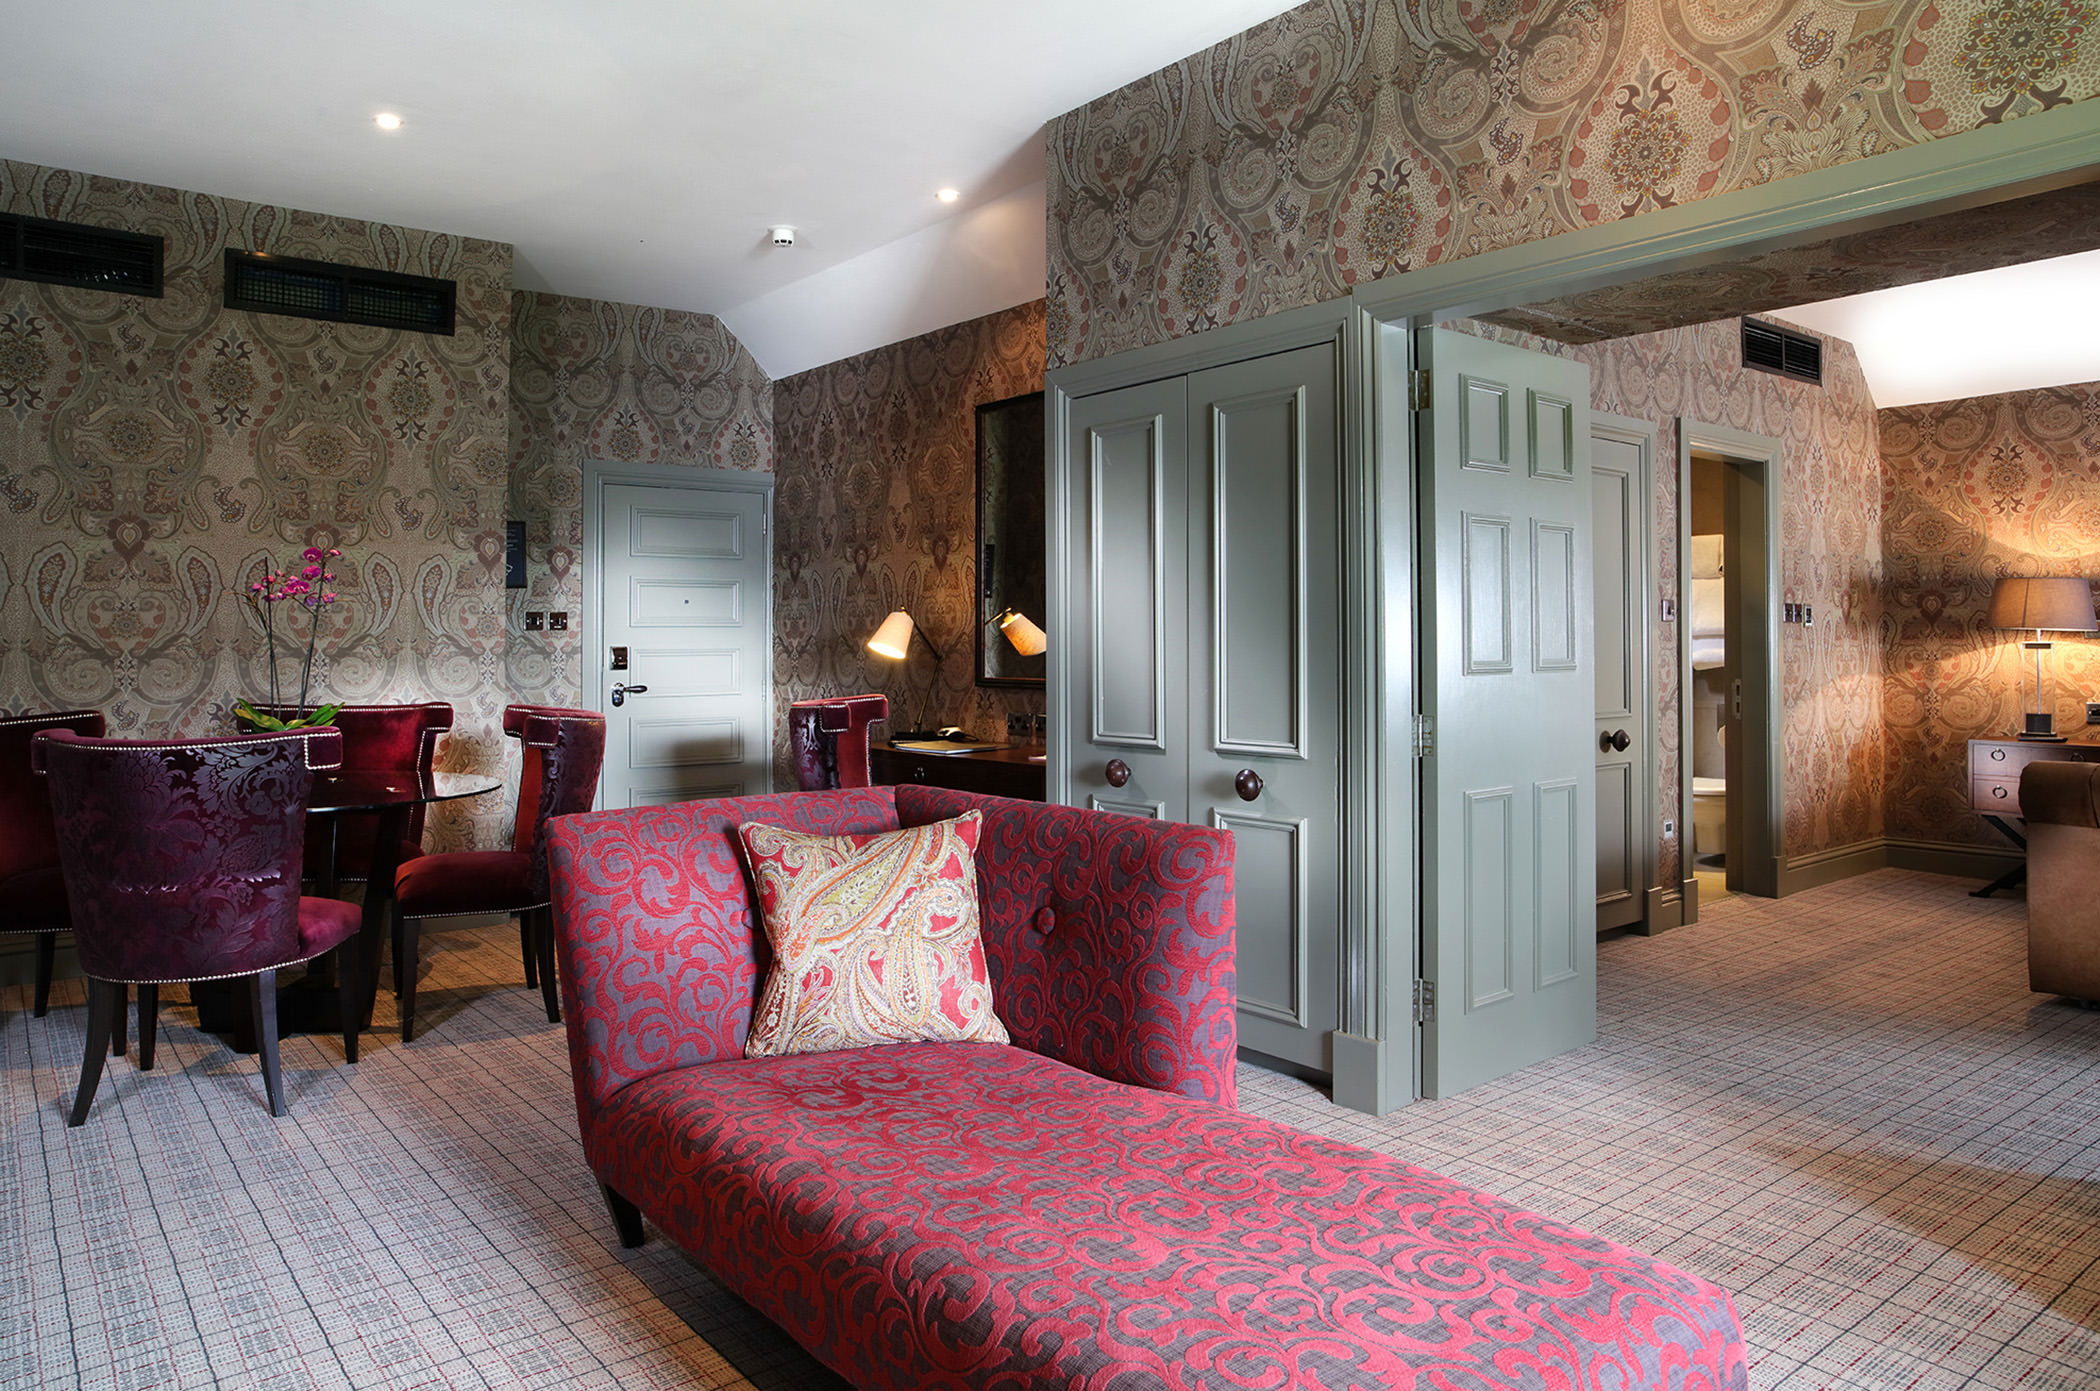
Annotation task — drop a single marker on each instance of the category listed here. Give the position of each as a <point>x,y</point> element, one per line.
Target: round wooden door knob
<point>1117,772</point>
<point>1247,784</point>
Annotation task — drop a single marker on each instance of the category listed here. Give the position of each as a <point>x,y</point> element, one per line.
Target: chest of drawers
<point>1995,766</point>
<point>1006,772</point>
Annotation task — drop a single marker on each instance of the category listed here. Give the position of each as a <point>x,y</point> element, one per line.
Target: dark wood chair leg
<point>627,1218</point>
<point>149,1016</point>
<point>410,940</point>
<point>350,998</point>
<point>105,1003</point>
<point>528,950</point>
<point>543,943</point>
<point>46,958</point>
<point>262,997</point>
<point>117,1046</point>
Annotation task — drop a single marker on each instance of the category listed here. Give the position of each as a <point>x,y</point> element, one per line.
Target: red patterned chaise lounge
<point>1084,1208</point>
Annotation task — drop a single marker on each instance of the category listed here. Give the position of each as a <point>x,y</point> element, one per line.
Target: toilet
<point>1709,816</point>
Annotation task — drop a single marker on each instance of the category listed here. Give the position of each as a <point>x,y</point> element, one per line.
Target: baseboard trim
<point>1948,857</point>
<point>1798,872</point>
<point>1664,910</point>
<point>18,959</point>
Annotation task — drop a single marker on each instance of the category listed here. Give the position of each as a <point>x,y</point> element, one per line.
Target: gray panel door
<point>1509,792</point>
<point>1127,592</point>
<point>685,588</point>
<point>1265,682</point>
<point>1618,567</point>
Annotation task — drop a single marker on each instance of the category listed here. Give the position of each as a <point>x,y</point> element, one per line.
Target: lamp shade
<point>1028,640</point>
<point>2061,604</point>
<point>893,638</point>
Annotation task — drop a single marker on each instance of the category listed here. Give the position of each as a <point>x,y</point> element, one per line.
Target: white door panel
<point>685,583</point>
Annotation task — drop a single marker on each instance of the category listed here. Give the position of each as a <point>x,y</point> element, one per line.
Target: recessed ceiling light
<point>387,120</point>
<point>947,195</point>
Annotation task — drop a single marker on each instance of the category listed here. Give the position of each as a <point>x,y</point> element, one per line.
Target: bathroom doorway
<point>1732,773</point>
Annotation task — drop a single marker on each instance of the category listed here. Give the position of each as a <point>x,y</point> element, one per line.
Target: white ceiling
<point>632,150</point>
<point>2011,329</point>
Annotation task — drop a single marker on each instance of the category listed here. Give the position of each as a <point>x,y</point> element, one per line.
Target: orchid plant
<point>307,589</point>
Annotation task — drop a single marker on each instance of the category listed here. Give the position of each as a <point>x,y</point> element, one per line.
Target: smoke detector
<point>782,236</point>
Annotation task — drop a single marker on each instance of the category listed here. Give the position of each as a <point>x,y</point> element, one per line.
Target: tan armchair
<point>2061,804</point>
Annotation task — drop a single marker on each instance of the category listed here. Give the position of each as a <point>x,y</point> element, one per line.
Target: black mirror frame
<point>982,624</point>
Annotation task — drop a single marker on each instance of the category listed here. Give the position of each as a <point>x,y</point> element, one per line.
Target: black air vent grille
<point>1769,348</point>
<point>73,253</point>
<point>339,294</point>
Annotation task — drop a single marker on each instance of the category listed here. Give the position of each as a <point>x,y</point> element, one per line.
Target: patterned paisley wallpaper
<point>1975,489</point>
<point>154,453</point>
<point>876,508</point>
<point>623,384</point>
<point>1347,140</point>
<point>1830,522</point>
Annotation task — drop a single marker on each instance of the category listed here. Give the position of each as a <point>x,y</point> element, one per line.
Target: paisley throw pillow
<point>874,939</point>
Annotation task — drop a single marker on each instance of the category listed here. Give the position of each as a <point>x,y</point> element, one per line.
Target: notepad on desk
<point>947,746</point>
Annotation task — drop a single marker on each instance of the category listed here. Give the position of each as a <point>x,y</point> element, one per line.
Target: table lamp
<point>893,640</point>
<point>2049,604</point>
<point>1027,639</point>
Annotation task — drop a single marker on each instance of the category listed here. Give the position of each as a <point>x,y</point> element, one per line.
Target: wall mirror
<point>1010,557</point>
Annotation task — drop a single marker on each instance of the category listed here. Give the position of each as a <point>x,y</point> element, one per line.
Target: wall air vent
<point>340,294</point>
<point>1770,348</point>
<point>73,253</point>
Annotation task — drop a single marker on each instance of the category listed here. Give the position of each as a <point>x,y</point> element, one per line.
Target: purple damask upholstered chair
<point>32,888</point>
<point>830,740</point>
<point>376,738</point>
<point>564,750</point>
<point>182,861</point>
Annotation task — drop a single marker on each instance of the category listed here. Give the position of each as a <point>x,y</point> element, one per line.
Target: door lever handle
<point>621,692</point>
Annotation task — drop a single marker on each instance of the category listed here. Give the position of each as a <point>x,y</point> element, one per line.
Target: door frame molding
<point>1641,434</point>
<point>597,474</point>
<point>1763,803</point>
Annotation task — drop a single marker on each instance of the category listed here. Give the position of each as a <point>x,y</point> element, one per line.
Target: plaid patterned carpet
<point>1846,1108</point>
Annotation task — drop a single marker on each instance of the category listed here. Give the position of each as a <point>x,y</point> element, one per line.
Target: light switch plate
<point>535,622</point>
<point>2092,712</point>
<point>1669,830</point>
<point>558,621</point>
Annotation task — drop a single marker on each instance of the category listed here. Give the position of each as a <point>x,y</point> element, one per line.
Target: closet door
<point>1264,681</point>
<point>1126,585</point>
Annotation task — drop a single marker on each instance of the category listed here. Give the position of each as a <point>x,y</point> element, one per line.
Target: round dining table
<point>390,795</point>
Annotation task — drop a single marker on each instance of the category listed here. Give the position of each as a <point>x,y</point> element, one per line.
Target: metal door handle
<point>620,693</point>
<point>1247,784</point>
<point>1117,772</point>
<point>1617,740</point>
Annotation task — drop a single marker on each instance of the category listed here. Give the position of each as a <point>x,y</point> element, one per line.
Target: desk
<point>392,794</point>
<point>1008,772</point>
<point>1995,766</point>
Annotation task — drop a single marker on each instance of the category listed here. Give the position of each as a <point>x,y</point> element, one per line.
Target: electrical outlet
<point>1808,616</point>
<point>558,621</point>
<point>535,622</point>
<point>1017,726</point>
<point>1790,613</point>
<point>1042,728</point>
<point>2092,712</point>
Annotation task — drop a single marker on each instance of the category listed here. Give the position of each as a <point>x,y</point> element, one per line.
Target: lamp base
<point>2041,729</point>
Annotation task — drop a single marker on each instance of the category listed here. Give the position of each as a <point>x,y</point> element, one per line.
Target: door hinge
<point>1425,1001</point>
<point>1418,389</point>
<point>1425,736</point>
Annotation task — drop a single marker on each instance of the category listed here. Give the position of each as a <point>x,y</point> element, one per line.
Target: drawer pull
<point>1997,755</point>
<point>1999,793</point>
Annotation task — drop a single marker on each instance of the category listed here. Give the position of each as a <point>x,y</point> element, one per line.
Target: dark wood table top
<point>1010,753</point>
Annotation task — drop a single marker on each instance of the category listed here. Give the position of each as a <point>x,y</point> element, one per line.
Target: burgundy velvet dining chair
<point>376,738</point>
<point>32,888</point>
<point>182,861</point>
<point>829,739</point>
<point>564,749</point>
